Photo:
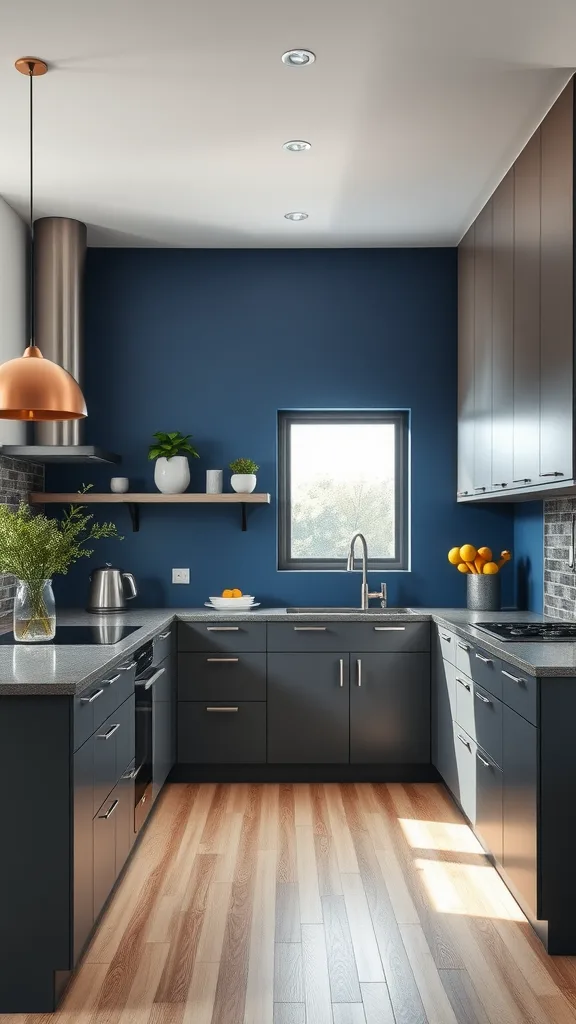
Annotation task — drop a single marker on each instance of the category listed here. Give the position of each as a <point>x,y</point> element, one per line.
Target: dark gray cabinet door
<point>83,853</point>
<point>466,767</point>
<point>527,314</point>
<point>483,352</point>
<point>443,715</point>
<point>105,850</point>
<point>489,804</point>
<point>466,364</point>
<point>503,333</point>
<point>163,727</point>
<point>125,834</point>
<point>308,708</point>
<point>520,781</point>
<point>389,708</point>
<point>556,281</point>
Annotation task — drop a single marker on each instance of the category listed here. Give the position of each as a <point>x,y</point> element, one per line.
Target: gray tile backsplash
<point>559,579</point>
<point>17,479</point>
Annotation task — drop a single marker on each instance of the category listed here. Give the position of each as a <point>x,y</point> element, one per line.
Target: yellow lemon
<point>454,556</point>
<point>227,593</point>
<point>468,552</point>
<point>485,553</point>
<point>490,569</point>
<point>236,593</point>
<point>462,567</point>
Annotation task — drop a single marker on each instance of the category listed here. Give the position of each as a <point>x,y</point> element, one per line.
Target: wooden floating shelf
<point>133,499</point>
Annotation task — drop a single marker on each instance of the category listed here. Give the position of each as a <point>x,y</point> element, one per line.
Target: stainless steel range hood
<point>59,259</point>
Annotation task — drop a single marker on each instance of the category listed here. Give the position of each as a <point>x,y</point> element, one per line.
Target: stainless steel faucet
<point>365,594</point>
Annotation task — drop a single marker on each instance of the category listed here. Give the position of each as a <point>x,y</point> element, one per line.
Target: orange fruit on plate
<point>236,593</point>
<point>227,593</point>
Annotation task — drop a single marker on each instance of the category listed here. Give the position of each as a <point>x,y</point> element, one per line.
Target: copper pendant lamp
<point>31,387</point>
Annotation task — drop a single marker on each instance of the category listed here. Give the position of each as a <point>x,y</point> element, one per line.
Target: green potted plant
<point>34,548</point>
<point>172,469</point>
<point>243,479</point>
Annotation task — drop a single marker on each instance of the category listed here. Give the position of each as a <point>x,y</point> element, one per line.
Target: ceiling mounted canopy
<point>33,388</point>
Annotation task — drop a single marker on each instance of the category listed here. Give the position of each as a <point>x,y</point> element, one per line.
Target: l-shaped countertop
<point>28,669</point>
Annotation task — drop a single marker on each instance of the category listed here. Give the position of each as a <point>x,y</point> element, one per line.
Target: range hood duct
<point>59,261</point>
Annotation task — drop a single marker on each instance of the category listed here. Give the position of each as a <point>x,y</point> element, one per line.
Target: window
<point>340,472</point>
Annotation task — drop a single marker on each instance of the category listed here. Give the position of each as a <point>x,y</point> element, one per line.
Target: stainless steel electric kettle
<point>110,588</point>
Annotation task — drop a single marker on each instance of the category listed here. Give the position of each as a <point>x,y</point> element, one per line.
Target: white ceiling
<point>161,122</point>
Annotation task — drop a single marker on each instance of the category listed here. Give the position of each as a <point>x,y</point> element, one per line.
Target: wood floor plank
<point>377,1005</point>
<point>269,837</point>
<point>199,1005</point>
<point>226,863</point>
<point>177,880</point>
<point>308,885</point>
<point>303,811</point>
<point>238,797</point>
<point>366,953</point>
<point>177,973</point>
<point>288,978</point>
<point>344,985</point>
<point>259,1004</point>
<point>289,1013</point>
<point>145,983</point>
<point>211,939</point>
<point>343,842</point>
<point>213,838</point>
<point>287,870</point>
<point>316,979</point>
<point>400,897</point>
<point>287,912</point>
<point>348,1013</point>
<point>468,1008</point>
<point>432,992</point>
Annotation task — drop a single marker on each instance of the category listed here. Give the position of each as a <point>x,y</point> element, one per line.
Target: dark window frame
<point>400,418</point>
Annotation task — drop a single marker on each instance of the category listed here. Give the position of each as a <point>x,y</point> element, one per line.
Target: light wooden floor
<point>314,904</point>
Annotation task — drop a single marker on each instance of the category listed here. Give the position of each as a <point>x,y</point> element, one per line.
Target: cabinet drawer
<point>447,642</point>
<point>465,748</point>
<point>482,667</point>
<point>222,677</point>
<point>520,692</point>
<point>163,645</point>
<point>97,702</point>
<point>488,826</point>
<point>349,636</point>
<point>113,750</point>
<point>112,832</point>
<point>221,636</point>
<point>479,713</point>
<point>221,733</point>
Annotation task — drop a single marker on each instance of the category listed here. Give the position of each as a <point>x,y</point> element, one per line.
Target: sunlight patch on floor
<point>439,835</point>
<point>471,890</point>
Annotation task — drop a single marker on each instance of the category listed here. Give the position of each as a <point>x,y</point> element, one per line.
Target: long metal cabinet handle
<point>389,629</point>
<point>482,698</point>
<point>463,647</point>
<point>147,683</point>
<point>482,760</point>
<point>446,636</point>
<point>341,671</point>
<point>523,480</point>
<point>487,661</point>
<point>310,629</point>
<point>113,679</point>
<point>110,811</point>
<point>359,671</point>
<point>555,473</point>
<point>164,636</point>
<point>462,740</point>
<point>463,683</point>
<point>108,735</point>
<point>221,709</point>
<point>223,629</point>
<point>130,773</point>
<point>128,667</point>
<point>230,660</point>
<point>515,679</point>
<point>92,698</point>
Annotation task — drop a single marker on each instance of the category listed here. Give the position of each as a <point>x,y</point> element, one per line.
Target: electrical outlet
<point>180,575</point>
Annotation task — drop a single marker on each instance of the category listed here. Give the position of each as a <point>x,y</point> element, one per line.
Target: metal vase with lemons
<point>482,572</point>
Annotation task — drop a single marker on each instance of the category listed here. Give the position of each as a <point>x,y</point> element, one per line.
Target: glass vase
<point>34,611</point>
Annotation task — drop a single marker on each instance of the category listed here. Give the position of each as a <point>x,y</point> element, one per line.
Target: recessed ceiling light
<point>296,145</point>
<point>296,215</point>
<point>298,58</point>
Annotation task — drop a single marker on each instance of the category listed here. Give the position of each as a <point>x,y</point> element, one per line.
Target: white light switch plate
<point>180,575</point>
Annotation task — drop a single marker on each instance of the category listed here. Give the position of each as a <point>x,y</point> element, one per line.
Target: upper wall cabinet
<point>516,418</point>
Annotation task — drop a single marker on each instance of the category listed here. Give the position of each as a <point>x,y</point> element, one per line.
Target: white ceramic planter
<point>243,483</point>
<point>172,476</point>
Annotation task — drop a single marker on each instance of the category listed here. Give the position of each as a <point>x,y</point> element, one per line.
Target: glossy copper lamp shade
<point>33,388</point>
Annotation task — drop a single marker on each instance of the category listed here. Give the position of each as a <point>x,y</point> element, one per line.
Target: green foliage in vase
<point>34,547</point>
<point>168,445</point>
<point>244,466</point>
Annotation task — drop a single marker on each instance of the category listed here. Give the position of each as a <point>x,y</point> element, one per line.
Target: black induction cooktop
<point>95,633</point>
<point>526,632</point>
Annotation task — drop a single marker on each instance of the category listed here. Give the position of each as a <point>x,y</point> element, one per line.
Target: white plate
<point>246,607</point>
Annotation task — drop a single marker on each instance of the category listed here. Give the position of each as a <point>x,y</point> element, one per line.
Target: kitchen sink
<point>382,612</point>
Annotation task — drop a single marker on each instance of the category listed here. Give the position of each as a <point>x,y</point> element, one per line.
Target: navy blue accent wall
<point>529,555</point>
<point>214,342</point>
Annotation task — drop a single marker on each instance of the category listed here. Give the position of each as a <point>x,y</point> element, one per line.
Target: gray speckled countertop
<point>48,670</point>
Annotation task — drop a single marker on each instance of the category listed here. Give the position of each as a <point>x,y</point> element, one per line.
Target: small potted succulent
<point>243,479</point>
<point>172,470</point>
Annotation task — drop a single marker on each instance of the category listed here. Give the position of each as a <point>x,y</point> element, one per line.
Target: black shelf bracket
<point>134,511</point>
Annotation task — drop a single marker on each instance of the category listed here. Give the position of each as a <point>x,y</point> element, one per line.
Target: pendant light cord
<point>31,261</point>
